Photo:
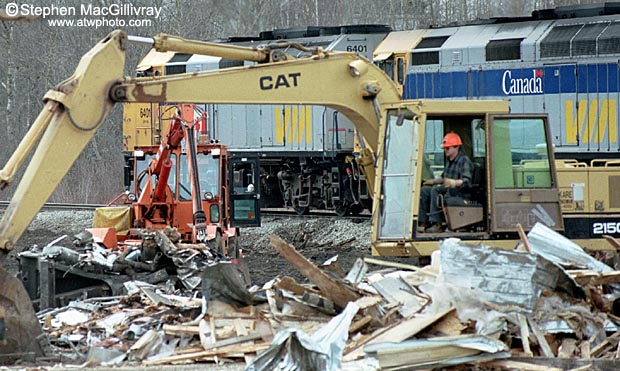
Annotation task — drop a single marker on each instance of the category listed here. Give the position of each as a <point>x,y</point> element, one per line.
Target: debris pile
<point>547,305</point>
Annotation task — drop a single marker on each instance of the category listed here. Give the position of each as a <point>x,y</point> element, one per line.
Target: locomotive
<point>562,61</point>
<point>306,152</point>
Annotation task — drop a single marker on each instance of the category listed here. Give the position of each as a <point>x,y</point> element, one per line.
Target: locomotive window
<point>180,57</point>
<point>227,63</point>
<point>584,42</point>
<point>432,42</point>
<point>387,66</point>
<point>400,70</point>
<point>557,41</point>
<point>422,58</point>
<point>503,50</point>
<point>609,41</point>
<point>175,70</point>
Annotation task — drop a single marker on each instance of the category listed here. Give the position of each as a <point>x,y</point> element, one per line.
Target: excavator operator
<point>452,187</point>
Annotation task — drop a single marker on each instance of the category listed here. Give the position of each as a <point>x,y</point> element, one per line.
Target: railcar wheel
<point>342,210</point>
<point>356,209</point>
<point>301,210</point>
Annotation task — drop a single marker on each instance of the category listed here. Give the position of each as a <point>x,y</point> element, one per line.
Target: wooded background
<point>35,56</point>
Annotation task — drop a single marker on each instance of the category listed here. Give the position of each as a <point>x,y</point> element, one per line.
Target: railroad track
<point>59,206</point>
<point>285,213</point>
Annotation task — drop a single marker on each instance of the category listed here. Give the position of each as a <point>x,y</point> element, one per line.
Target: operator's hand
<point>449,183</point>
<point>428,182</point>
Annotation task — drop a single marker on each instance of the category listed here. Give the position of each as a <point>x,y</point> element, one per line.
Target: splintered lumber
<point>392,359</point>
<point>231,341</point>
<point>355,326</point>
<point>289,284</point>
<point>220,309</point>
<point>330,288</point>
<point>614,242</point>
<point>181,330</point>
<point>242,331</point>
<point>449,325</point>
<point>397,332</point>
<point>525,334</point>
<point>542,342</point>
<point>223,352</point>
<point>523,237</point>
<point>588,277</point>
<point>399,266</point>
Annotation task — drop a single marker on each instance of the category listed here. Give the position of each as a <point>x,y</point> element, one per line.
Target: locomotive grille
<point>609,42</point>
<point>503,50</point>
<point>584,42</point>
<point>557,42</point>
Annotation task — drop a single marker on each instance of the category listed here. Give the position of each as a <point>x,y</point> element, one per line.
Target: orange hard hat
<point>451,140</point>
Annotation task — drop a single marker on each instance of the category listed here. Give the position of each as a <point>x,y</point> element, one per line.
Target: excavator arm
<point>78,106</point>
<point>72,113</point>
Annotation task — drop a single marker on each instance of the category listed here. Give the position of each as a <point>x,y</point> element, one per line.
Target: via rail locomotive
<point>562,61</point>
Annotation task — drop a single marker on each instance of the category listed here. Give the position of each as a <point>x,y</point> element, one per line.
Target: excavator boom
<point>79,105</point>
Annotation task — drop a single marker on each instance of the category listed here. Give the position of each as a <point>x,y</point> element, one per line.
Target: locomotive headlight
<point>357,68</point>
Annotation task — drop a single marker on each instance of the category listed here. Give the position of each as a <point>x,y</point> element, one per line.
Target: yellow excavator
<point>514,167</point>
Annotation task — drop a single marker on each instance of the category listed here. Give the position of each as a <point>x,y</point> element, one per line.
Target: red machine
<point>197,187</point>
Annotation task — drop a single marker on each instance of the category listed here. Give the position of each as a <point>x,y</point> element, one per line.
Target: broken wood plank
<point>213,336</point>
<point>397,332</point>
<point>609,343</point>
<point>368,301</point>
<point>587,367</point>
<point>542,342</point>
<point>242,331</point>
<point>523,237</point>
<point>355,326</point>
<point>449,325</point>
<point>330,288</point>
<point>205,333</point>
<point>585,349</point>
<point>525,334</point>
<point>612,241</point>
<point>289,284</point>
<point>222,352</point>
<point>181,330</point>
<point>595,278</point>
<point>235,340</point>
<point>220,309</point>
<point>399,266</point>
<point>567,348</point>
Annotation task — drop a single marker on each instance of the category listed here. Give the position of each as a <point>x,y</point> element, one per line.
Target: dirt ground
<point>318,239</point>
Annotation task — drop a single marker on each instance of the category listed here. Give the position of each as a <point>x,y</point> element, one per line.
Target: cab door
<point>522,176</point>
<point>244,173</point>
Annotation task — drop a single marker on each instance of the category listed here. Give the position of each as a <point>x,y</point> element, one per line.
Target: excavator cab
<point>513,175</point>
